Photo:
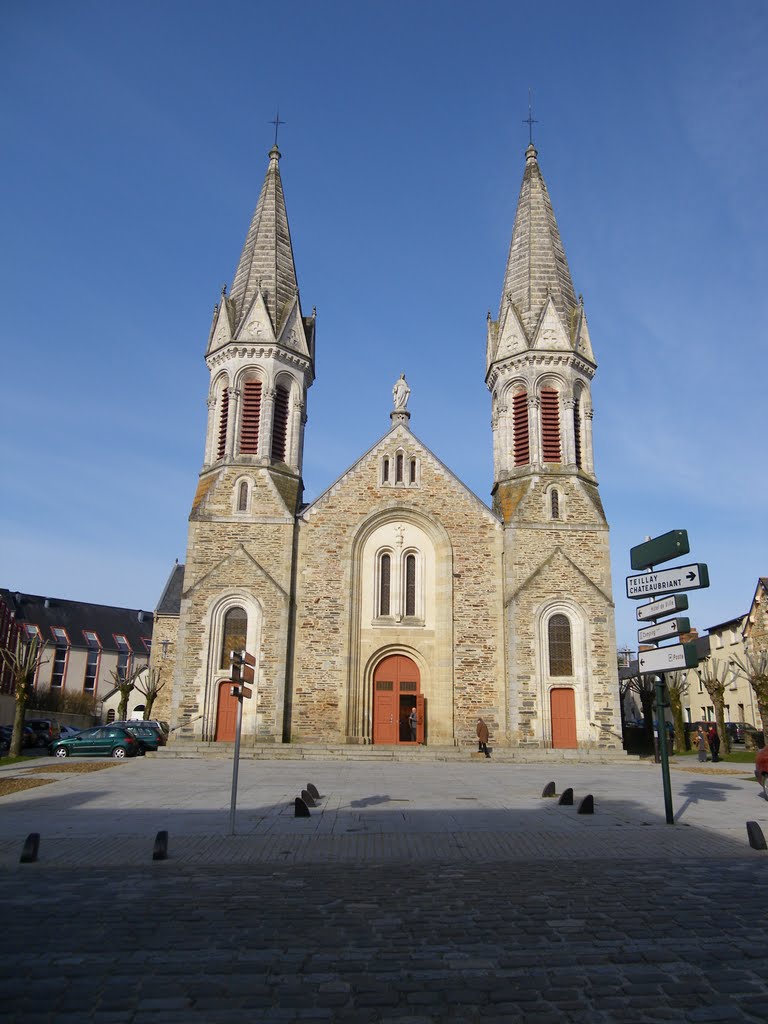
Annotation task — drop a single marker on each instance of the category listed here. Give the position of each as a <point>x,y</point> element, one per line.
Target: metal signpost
<point>659,660</point>
<point>242,671</point>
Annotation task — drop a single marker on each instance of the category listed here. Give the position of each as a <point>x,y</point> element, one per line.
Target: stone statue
<point>400,392</point>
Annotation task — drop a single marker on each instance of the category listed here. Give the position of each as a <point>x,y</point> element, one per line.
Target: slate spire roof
<point>266,262</point>
<point>536,265</point>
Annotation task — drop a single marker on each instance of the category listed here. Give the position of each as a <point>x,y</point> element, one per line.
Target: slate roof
<point>266,262</point>
<point>75,616</point>
<point>170,599</point>
<point>536,265</point>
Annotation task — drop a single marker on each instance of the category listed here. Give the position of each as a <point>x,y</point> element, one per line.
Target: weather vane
<point>530,120</point>
<point>277,122</point>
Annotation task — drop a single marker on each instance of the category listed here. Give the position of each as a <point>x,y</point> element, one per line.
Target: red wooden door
<point>563,707</point>
<point>395,680</point>
<point>226,714</point>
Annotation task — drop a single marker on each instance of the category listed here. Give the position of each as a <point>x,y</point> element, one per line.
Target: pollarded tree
<point>677,688</point>
<point>715,675</point>
<point>754,668</point>
<point>125,682</point>
<point>148,683</point>
<point>22,659</point>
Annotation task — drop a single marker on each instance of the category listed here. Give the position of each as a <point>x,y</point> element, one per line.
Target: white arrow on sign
<point>663,631</point>
<point>666,659</point>
<point>655,610</point>
<point>684,577</point>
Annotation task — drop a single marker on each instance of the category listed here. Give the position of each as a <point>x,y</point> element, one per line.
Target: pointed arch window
<point>521,442</point>
<point>399,468</point>
<point>560,652</point>
<point>233,634</point>
<point>223,421</point>
<point>280,423</point>
<point>385,584</point>
<point>550,425</point>
<point>242,496</point>
<point>554,503</point>
<point>410,585</point>
<point>412,472</point>
<point>385,470</point>
<point>251,417</point>
<point>577,429</point>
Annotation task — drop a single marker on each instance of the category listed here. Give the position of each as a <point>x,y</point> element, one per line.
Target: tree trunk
<point>722,732</point>
<point>18,723</point>
<point>646,703</point>
<point>122,710</point>
<point>676,707</point>
<point>149,699</point>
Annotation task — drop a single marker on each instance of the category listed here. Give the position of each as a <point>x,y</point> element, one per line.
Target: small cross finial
<point>530,120</point>
<point>277,122</point>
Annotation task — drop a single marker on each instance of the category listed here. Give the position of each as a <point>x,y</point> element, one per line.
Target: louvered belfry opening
<point>577,429</point>
<point>560,656</point>
<point>223,419</point>
<point>550,425</point>
<point>280,424</point>
<point>521,445</point>
<point>555,506</point>
<point>249,427</point>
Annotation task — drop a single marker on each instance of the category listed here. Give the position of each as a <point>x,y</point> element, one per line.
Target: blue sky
<point>133,149</point>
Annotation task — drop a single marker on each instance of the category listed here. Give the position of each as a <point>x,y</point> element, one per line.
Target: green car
<point>103,741</point>
<point>145,734</point>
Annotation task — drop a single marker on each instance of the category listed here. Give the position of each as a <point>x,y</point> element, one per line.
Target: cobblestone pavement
<point>593,941</point>
<point>410,896</point>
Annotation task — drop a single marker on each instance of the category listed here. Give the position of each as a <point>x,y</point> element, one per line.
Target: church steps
<point>353,752</point>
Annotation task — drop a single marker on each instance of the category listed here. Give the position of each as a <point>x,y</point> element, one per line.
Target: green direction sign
<point>664,630</point>
<point>660,549</point>
<point>668,659</point>
<point>665,605</point>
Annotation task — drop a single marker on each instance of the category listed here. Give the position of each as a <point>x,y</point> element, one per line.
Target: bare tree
<point>22,660</point>
<point>754,668</point>
<point>644,687</point>
<point>715,675</point>
<point>125,682</point>
<point>148,683</point>
<point>677,688</point>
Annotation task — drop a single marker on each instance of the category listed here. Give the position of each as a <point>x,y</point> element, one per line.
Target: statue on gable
<point>400,392</point>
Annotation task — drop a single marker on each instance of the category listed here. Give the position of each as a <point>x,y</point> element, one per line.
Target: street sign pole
<point>236,763</point>
<point>660,704</point>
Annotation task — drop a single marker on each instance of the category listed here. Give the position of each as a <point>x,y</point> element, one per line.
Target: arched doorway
<point>562,704</point>
<point>396,691</point>
<point>226,713</point>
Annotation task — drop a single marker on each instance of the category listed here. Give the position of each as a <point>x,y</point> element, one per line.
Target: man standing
<point>412,724</point>
<point>482,737</point>
<point>714,742</point>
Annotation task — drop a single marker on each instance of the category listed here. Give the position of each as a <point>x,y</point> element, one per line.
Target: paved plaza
<point>415,893</point>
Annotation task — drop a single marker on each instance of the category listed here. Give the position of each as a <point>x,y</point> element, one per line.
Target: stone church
<point>397,588</point>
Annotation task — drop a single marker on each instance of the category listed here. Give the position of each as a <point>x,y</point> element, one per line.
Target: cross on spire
<point>530,120</point>
<point>277,122</point>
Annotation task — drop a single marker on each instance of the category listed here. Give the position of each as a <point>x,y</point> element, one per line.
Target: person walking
<point>714,742</point>
<point>482,737</point>
<point>412,724</point>
<point>701,743</point>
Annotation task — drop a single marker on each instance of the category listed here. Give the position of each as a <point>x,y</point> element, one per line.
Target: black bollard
<point>160,852</point>
<point>312,790</point>
<point>755,836</point>
<point>549,790</point>
<point>587,805</point>
<point>307,798</point>
<point>300,809</point>
<point>30,848</point>
<point>567,798</point>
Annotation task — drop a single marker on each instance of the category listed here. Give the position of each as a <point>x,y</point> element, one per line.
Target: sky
<point>134,144</point>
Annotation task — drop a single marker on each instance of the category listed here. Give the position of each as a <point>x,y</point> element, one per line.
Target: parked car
<point>68,731</point>
<point>148,737</point>
<point>29,739</point>
<point>738,731</point>
<point>150,723</point>
<point>6,732</point>
<point>761,769</point>
<point>102,741</point>
<point>46,730</point>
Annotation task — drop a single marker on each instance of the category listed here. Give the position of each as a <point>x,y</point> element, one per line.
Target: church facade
<point>397,589</point>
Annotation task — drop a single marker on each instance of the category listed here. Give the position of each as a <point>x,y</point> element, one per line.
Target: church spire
<point>266,262</point>
<point>536,266</point>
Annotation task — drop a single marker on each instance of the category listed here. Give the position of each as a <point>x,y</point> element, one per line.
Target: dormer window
<point>60,658</point>
<point>92,661</point>
<point>123,655</point>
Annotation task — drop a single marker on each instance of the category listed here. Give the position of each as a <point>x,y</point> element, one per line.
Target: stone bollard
<point>307,798</point>
<point>755,836</point>
<point>300,809</point>
<point>587,805</point>
<point>567,798</point>
<point>160,851</point>
<point>30,848</point>
<point>312,790</point>
<point>549,790</point>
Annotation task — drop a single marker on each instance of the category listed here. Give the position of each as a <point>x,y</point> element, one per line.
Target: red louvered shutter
<point>550,425</point>
<point>223,418</point>
<point>249,427</point>
<point>577,430</point>
<point>521,446</point>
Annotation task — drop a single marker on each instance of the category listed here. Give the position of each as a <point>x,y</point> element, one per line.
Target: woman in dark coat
<point>482,737</point>
<point>714,742</point>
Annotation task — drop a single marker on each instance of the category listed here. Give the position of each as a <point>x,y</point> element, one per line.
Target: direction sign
<point>664,630</point>
<point>655,610</point>
<point>683,577</point>
<point>660,549</point>
<point>667,659</point>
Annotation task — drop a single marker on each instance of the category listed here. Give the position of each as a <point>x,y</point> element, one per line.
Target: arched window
<point>399,468</point>
<point>550,425</point>
<point>280,423</point>
<point>110,715</point>
<point>577,428</point>
<point>242,496</point>
<point>251,418</point>
<point>233,634</point>
<point>521,448</point>
<point>560,654</point>
<point>412,472</point>
<point>554,503</point>
<point>385,471</point>
<point>385,581</point>
<point>410,584</point>
<point>223,420</point>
